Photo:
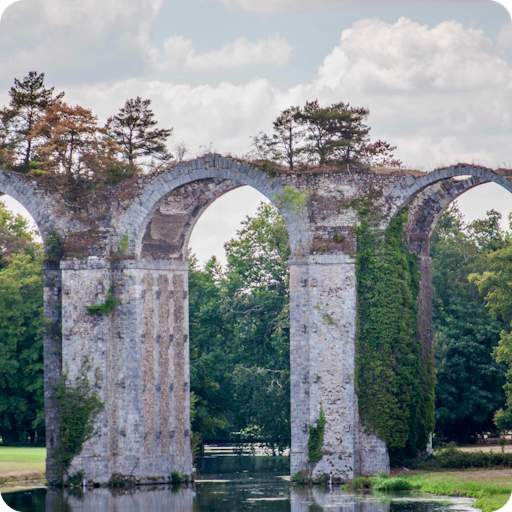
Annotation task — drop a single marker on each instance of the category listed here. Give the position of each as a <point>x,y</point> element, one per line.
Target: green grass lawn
<point>21,463</point>
<point>492,488</point>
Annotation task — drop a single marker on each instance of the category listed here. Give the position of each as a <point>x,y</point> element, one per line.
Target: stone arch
<point>427,199</point>
<point>27,194</point>
<point>407,188</point>
<point>429,204</point>
<point>41,207</point>
<point>206,179</point>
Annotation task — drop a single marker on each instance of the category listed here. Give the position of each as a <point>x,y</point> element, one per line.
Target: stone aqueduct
<point>140,352</point>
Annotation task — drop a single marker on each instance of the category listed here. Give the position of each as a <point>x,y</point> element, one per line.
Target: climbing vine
<point>394,378</point>
<point>316,439</point>
<point>79,405</point>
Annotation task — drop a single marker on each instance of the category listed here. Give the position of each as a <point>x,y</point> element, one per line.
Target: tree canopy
<point>239,333</point>
<point>323,135</point>
<point>21,324</point>
<point>494,282</point>
<point>29,99</point>
<point>469,381</point>
<point>133,128</point>
<point>66,148</point>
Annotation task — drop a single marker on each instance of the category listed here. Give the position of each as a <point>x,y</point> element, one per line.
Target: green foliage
<point>239,337</point>
<point>293,199</point>
<point>119,171</point>
<point>133,129</point>
<point>176,477</point>
<point>107,307</point>
<point>53,249</point>
<point>124,243</point>
<point>21,328</point>
<point>491,492</point>
<point>379,483</point>
<point>338,238</point>
<point>391,484</point>
<point>79,405</point>
<point>29,98</point>
<point>16,237</point>
<point>285,144</point>
<point>323,135</point>
<point>494,284</point>
<point>302,477</point>
<point>76,478</point>
<point>450,457</point>
<point>359,483</point>
<point>316,439</point>
<point>394,378</point>
<point>469,381</point>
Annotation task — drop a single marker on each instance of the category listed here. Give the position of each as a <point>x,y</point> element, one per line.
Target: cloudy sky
<point>436,75</point>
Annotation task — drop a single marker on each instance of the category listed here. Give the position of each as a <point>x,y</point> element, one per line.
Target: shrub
<point>76,478</point>
<point>359,483</point>
<point>450,457</point>
<point>302,477</point>
<point>395,483</point>
<point>176,477</point>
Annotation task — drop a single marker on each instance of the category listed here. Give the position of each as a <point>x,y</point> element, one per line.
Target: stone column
<point>299,366</point>
<point>139,360</point>
<point>164,367</point>
<point>327,332</point>
<point>88,343</point>
<point>52,361</point>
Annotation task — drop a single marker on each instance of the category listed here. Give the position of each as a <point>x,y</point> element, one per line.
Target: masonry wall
<point>52,360</point>
<point>138,359</point>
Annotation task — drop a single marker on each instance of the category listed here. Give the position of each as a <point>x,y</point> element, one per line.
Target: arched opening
<point>239,325</point>
<point>22,322</point>
<point>454,228</point>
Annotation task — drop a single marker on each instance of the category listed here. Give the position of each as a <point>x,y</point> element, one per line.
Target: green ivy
<point>394,377</point>
<point>78,407</point>
<point>104,309</point>
<point>316,439</point>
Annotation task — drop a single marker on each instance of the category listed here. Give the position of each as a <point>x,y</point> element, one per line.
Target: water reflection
<point>225,484</point>
<point>144,499</point>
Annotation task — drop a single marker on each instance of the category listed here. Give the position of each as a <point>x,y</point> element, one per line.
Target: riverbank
<point>25,467</point>
<point>491,487</point>
<point>22,464</point>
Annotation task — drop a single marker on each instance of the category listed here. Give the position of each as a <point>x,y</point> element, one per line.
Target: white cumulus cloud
<point>240,52</point>
<point>441,94</point>
<point>80,41</point>
<point>504,38</point>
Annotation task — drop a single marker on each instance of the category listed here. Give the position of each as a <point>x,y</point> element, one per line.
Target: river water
<point>229,483</point>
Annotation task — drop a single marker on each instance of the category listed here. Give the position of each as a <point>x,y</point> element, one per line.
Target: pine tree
<point>285,143</point>
<point>133,129</point>
<point>29,100</point>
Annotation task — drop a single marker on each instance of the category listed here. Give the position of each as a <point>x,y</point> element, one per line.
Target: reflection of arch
<point>204,180</point>
<point>25,193</point>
